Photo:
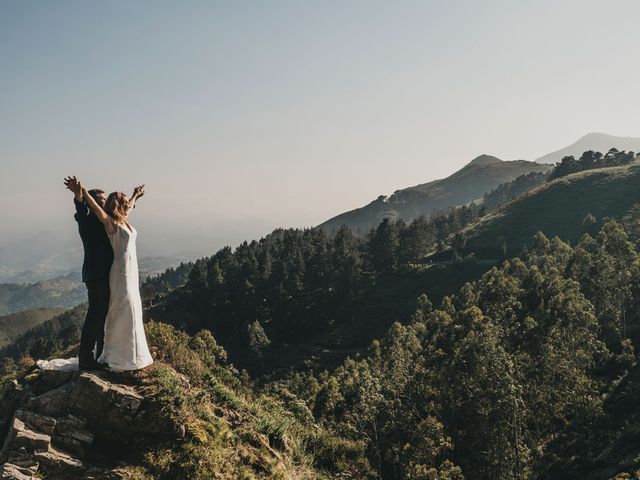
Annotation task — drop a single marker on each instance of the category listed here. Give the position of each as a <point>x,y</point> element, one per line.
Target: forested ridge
<point>308,289</point>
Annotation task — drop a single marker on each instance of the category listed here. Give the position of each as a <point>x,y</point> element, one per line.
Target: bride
<point>125,344</point>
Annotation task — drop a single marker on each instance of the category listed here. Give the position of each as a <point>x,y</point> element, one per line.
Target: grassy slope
<point>15,324</point>
<point>558,208</point>
<point>231,432</point>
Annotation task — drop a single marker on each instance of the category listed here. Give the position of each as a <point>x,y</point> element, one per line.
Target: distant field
<point>15,324</point>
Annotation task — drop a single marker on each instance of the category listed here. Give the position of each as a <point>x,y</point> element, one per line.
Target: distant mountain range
<point>599,142</point>
<point>149,266</point>
<point>25,291</point>
<point>47,255</point>
<point>468,184</point>
<point>62,292</point>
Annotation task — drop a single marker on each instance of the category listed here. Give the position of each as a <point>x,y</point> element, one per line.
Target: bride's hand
<point>138,191</point>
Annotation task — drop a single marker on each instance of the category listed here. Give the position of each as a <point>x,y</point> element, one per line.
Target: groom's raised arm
<point>82,210</point>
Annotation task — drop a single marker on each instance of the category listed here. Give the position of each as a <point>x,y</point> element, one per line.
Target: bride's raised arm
<point>137,193</point>
<point>107,221</point>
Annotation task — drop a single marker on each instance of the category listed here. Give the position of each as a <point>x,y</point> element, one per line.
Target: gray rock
<point>121,405</point>
<point>88,395</point>
<point>22,458</point>
<point>36,421</point>
<point>57,460</point>
<point>21,435</point>
<point>53,402</point>
<point>71,434</point>
<point>50,379</point>
<point>10,471</point>
<point>53,419</point>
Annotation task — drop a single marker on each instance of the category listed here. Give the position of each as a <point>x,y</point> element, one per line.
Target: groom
<point>98,257</point>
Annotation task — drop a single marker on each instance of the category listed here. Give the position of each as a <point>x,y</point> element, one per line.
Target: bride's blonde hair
<point>117,206</point>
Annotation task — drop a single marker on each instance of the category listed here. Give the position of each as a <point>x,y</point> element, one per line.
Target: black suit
<point>98,257</point>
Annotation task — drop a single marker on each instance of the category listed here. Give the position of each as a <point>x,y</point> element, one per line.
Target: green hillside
<point>567,207</point>
<point>15,324</point>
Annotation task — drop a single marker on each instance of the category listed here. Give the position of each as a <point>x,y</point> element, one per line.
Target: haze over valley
<point>47,254</point>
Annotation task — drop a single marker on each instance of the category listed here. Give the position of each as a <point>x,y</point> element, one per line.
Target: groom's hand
<point>73,184</point>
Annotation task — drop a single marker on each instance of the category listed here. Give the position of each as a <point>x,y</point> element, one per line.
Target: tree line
<point>590,160</point>
<point>294,280</point>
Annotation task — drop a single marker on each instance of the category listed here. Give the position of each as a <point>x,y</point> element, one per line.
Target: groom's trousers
<point>93,328</point>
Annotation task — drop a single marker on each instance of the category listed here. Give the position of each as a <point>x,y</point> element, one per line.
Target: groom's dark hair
<point>95,191</point>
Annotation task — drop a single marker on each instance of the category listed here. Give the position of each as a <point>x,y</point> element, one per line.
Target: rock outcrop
<point>52,421</point>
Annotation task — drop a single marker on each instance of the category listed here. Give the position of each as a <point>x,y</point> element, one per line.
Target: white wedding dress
<point>125,344</point>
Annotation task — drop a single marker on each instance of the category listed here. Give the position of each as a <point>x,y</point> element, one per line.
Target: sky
<point>241,117</point>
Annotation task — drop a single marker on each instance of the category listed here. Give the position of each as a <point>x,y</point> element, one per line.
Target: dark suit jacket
<point>98,254</point>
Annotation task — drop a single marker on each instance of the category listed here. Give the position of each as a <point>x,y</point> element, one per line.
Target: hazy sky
<point>244,116</point>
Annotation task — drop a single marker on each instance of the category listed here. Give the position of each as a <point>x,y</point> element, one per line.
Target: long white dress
<point>125,344</point>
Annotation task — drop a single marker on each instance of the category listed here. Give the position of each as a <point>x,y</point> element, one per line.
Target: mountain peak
<point>485,159</point>
<point>603,135</point>
<point>596,135</point>
<point>470,183</point>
